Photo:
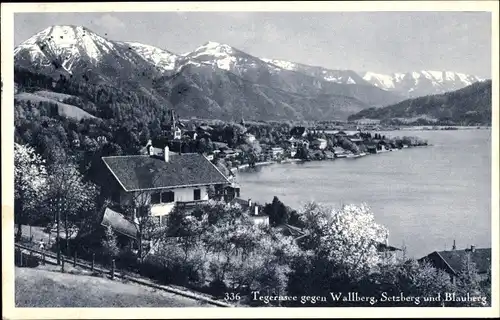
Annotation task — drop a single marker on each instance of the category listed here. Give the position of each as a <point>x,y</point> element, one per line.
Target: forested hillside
<point>468,106</point>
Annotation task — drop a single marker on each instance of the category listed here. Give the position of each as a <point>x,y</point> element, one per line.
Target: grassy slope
<point>65,110</point>
<point>43,288</point>
<point>53,95</point>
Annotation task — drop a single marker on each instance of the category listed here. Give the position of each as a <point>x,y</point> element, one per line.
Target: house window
<point>167,197</point>
<point>155,198</point>
<point>197,194</point>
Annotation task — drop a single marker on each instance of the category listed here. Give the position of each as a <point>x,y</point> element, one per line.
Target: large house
<point>451,261</point>
<point>163,180</point>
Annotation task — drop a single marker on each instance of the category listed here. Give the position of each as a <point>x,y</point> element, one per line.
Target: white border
<point>7,23</point>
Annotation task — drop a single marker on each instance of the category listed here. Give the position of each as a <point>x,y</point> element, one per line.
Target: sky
<point>382,42</point>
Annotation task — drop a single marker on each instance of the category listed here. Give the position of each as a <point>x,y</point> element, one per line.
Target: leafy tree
<point>30,180</point>
<point>68,197</point>
<point>277,212</point>
<point>110,243</point>
<point>342,244</point>
<point>469,282</point>
<point>302,153</point>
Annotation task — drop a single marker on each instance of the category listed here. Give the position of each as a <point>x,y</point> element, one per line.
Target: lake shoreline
<point>247,167</point>
<point>414,194</point>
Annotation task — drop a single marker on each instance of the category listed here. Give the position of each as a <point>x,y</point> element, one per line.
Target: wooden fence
<point>43,257</point>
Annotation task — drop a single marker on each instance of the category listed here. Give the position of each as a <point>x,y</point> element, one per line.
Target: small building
<point>319,144</point>
<point>451,261</point>
<point>357,141</point>
<point>229,153</point>
<point>297,142</point>
<point>293,142</point>
<point>275,152</point>
<point>249,137</point>
<point>254,210</point>
<point>150,150</point>
<point>339,152</point>
<point>177,134</point>
<point>191,134</point>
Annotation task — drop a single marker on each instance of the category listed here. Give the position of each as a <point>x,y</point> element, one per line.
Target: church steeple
<point>173,122</point>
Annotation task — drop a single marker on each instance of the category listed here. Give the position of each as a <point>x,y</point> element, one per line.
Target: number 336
<point>231,296</point>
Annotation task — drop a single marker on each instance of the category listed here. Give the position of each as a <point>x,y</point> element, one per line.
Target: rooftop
<point>119,223</point>
<point>142,172</point>
<point>481,257</point>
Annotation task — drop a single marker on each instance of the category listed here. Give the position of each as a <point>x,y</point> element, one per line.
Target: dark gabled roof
<point>119,223</point>
<point>454,258</point>
<point>292,231</point>
<point>146,172</point>
<point>220,145</point>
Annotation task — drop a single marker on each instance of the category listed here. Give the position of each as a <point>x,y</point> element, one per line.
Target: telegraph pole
<point>58,234</point>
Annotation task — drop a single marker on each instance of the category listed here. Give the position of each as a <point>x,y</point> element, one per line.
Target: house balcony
<point>190,204</point>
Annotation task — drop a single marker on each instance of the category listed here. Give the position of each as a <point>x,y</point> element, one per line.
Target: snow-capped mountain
<point>420,83</point>
<point>75,50</point>
<point>65,46</point>
<point>336,76</point>
<point>288,76</point>
<point>162,59</point>
<point>228,58</point>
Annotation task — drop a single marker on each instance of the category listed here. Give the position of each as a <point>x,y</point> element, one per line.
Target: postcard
<point>250,159</point>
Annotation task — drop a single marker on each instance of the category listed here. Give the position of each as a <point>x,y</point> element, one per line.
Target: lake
<point>427,196</point>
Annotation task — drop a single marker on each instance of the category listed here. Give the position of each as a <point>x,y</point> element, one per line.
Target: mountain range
<point>219,81</point>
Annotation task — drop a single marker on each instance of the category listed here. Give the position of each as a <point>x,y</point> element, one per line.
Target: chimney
<point>150,150</point>
<point>166,154</point>
<point>472,248</point>
<point>249,202</point>
<point>256,210</point>
<point>454,246</point>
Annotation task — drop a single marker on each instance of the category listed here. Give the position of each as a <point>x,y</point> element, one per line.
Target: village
<point>247,144</point>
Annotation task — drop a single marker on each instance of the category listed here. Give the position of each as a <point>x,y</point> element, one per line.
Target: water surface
<point>427,197</point>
